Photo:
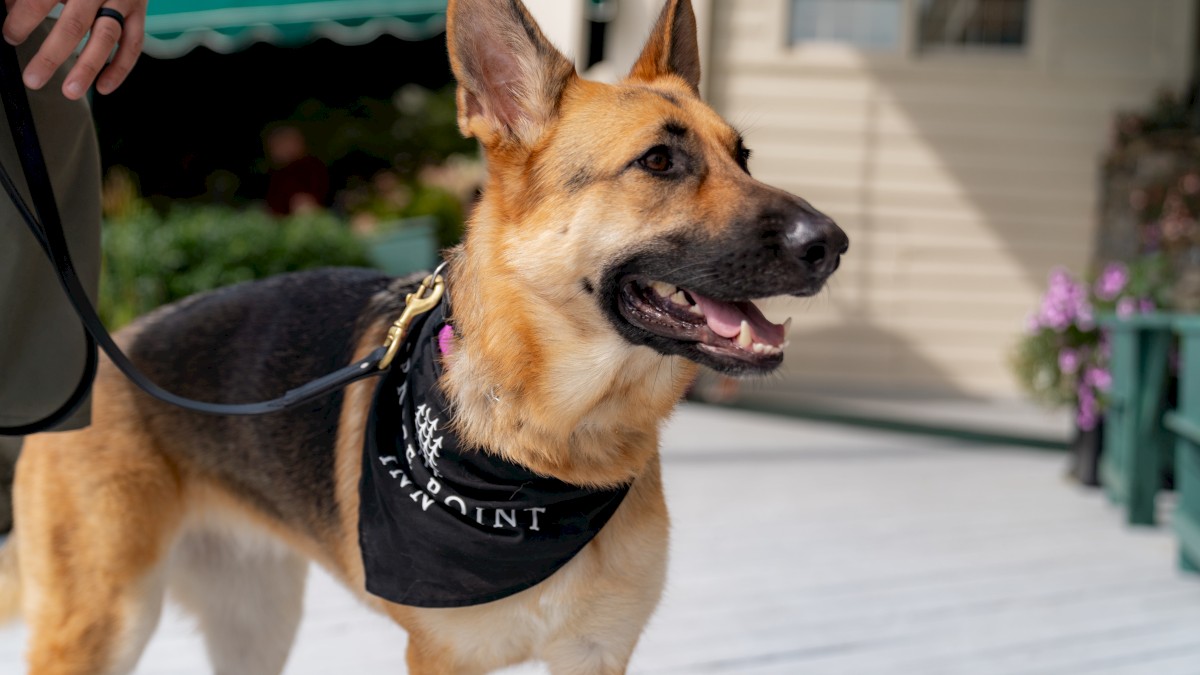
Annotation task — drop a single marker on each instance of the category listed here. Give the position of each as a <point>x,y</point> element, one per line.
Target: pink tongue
<point>725,319</point>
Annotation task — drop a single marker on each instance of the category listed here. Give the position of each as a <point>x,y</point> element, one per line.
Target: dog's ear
<point>673,48</point>
<point>510,78</point>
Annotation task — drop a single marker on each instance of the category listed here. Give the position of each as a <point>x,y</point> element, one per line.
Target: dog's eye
<point>657,160</point>
<point>743,157</point>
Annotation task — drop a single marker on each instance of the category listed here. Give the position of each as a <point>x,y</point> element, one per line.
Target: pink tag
<point>446,339</point>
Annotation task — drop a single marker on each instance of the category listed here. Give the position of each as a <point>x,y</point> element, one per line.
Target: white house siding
<point>961,178</point>
<point>562,22</point>
<point>630,27</point>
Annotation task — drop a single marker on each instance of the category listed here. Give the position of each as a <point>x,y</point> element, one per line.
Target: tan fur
<point>10,584</point>
<point>97,510</point>
<point>537,374</point>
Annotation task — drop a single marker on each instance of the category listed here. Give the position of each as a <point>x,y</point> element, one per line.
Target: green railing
<point>1137,447</point>
<point>1184,421</point>
<point>1145,440</point>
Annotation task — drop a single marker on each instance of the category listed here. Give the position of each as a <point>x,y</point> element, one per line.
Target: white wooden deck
<point>802,548</point>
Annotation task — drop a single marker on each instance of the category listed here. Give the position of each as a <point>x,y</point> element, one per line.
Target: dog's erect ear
<point>510,78</point>
<point>673,48</point>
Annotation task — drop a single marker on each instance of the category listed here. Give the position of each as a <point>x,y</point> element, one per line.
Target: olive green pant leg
<point>41,340</point>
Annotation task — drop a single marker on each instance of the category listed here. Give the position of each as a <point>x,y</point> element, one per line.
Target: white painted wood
<point>807,548</point>
<point>562,22</point>
<point>909,147</point>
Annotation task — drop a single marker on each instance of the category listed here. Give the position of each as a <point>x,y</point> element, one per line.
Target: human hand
<point>77,20</point>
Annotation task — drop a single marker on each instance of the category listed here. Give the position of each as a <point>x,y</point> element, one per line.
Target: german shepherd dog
<point>618,246</point>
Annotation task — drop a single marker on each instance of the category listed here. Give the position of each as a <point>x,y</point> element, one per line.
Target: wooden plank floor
<point>802,548</point>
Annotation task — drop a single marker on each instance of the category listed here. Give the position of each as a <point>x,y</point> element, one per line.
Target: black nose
<point>818,242</point>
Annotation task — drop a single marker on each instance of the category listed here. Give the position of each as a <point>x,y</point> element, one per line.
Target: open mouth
<point>729,336</point>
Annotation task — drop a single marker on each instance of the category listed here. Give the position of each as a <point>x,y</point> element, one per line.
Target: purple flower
<point>1068,361</point>
<point>1065,304</point>
<point>1126,307</point>
<point>1098,378</point>
<point>1146,305</point>
<point>1112,281</point>
<point>1083,318</point>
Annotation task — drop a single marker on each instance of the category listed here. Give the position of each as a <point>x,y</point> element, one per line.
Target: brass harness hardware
<point>424,299</point>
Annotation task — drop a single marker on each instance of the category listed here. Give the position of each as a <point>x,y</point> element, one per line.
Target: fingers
<point>68,31</point>
<point>104,36</point>
<point>127,55</point>
<point>23,17</point>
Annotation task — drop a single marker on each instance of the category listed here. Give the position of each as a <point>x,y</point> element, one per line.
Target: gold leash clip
<point>424,299</point>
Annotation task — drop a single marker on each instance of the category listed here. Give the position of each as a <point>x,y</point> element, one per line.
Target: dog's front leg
<point>421,662</point>
<point>619,581</point>
<point>426,657</point>
<point>582,656</point>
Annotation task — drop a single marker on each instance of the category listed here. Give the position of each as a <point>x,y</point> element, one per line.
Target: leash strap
<point>46,226</point>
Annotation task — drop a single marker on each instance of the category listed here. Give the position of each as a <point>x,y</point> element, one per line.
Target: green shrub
<point>150,260</point>
<point>415,128</point>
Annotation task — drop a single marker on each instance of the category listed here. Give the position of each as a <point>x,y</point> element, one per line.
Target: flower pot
<point>1085,455</point>
<point>407,246</point>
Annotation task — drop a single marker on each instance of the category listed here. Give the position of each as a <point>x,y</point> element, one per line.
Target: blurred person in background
<point>297,182</point>
<point>42,343</point>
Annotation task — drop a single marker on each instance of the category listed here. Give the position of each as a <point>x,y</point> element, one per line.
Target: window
<point>967,23</point>
<point>871,24</point>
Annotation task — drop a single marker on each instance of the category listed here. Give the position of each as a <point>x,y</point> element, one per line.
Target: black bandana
<point>443,526</point>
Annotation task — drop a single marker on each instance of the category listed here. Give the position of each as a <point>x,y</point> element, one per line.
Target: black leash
<point>46,226</point>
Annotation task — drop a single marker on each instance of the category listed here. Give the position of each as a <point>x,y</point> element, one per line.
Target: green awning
<point>175,27</point>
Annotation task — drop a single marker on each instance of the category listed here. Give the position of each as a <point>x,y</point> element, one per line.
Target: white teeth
<point>785,345</point>
<point>680,299</point>
<point>664,289</point>
<point>695,309</point>
<point>787,325</point>
<point>745,340</point>
<point>746,337</point>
